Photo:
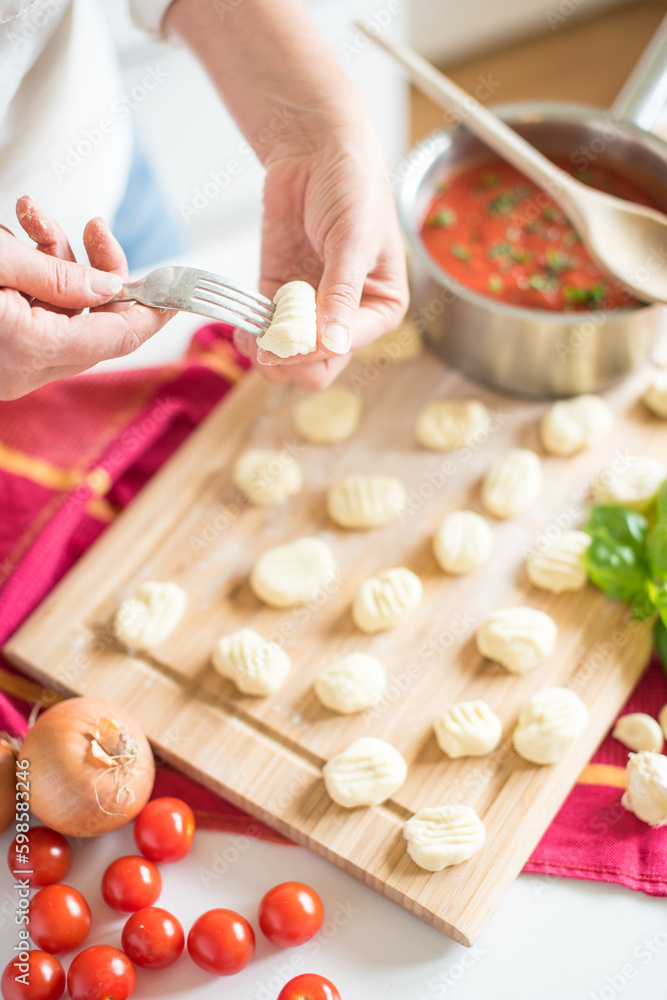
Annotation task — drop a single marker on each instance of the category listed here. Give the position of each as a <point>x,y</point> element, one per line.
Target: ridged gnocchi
<point>630,482</point>
<point>574,425</point>
<point>367,773</point>
<point>366,501</point>
<point>512,484</point>
<point>255,665</point>
<point>383,600</point>
<point>293,329</point>
<point>266,476</point>
<point>562,565</point>
<point>353,683</point>
<point>550,723</point>
<point>646,787</point>
<point>518,638</point>
<point>446,424</point>
<point>655,396</point>
<point>329,416</point>
<point>443,835</point>
<point>291,574</point>
<point>150,615</point>
<point>468,729</point>
<point>463,542</point>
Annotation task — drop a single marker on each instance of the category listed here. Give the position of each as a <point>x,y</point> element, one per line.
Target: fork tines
<point>254,309</point>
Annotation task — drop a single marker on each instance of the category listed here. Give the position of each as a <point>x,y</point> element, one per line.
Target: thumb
<point>338,298</point>
<point>49,279</point>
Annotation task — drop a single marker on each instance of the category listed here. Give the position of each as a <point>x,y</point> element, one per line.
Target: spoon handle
<point>487,126</point>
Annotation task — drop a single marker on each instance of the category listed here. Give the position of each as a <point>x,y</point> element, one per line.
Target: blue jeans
<point>144,225</point>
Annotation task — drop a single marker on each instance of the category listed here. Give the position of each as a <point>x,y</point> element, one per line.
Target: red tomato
<point>221,942</point>
<point>59,918</point>
<point>309,987</point>
<point>101,973</point>
<point>46,853</point>
<point>131,883</point>
<point>290,914</point>
<point>152,938</point>
<point>44,978</point>
<point>164,830</point>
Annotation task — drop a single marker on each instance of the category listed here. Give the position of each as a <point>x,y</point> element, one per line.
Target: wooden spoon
<point>628,241</point>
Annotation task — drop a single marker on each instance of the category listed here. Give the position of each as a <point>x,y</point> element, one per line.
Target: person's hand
<point>43,333</point>
<point>329,219</point>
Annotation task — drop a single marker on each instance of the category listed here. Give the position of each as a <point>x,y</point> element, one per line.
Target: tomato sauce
<point>498,234</point>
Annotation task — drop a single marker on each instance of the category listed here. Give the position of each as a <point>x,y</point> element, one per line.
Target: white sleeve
<point>149,16</point>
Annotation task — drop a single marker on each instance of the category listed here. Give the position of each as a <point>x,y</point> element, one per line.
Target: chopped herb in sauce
<point>558,262</point>
<point>489,180</point>
<point>460,251</point>
<point>496,283</point>
<point>584,296</point>
<point>445,218</point>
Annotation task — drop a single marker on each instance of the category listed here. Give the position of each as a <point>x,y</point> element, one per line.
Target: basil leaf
<point>657,551</point>
<point>660,641</point>
<point>616,558</point>
<point>661,503</point>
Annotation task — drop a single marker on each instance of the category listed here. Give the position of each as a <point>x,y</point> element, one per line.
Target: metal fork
<point>188,289</point>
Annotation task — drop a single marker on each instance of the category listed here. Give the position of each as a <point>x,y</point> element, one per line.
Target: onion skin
<point>76,787</point>
<point>7,784</point>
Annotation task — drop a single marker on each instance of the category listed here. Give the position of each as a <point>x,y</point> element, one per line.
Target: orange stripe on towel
<point>603,774</point>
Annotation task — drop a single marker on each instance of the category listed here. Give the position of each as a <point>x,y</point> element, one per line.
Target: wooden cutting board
<point>191,525</point>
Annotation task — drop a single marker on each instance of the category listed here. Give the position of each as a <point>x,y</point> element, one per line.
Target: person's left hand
<point>329,219</point>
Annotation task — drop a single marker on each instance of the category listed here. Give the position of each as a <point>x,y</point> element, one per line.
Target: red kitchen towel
<point>76,452</point>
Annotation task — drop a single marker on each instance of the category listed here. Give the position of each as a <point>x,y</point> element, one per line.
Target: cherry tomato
<point>101,973</point>
<point>44,978</point>
<point>47,854</point>
<point>59,918</point>
<point>309,987</point>
<point>152,938</point>
<point>131,883</point>
<point>221,942</point>
<point>290,914</point>
<point>164,830</point>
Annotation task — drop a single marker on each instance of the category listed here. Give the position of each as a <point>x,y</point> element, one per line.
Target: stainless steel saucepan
<point>534,352</point>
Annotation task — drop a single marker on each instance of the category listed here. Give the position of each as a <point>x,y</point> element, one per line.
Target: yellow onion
<point>7,781</point>
<point>91,767</point>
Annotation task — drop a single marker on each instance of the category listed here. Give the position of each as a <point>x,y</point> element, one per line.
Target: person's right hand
<point>43,333</point>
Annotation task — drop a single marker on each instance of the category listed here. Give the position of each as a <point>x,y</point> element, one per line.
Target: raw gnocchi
<point>468,729</point>
<point>266,476</point>
<point>561,566</point>
<point>150,615</point>
<point>255,665</point>
<point>329,416</point>
<point>518,638</point>
<point>446,424</point>
<point>353,683</point>
<point>512,483</point>
<point>631,482</point>
<point>365,774</point>
<point>655,396</point>
<point>443,836</point>
<point>573,425</point>
<point>550,723</point>
<point>293,329</point>
<point>361,501</point>
<point>463,542</point>
<point>291,574</point>
<point>383,600</point>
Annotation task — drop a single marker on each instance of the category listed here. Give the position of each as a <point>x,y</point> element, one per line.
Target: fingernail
<point>104,283</point>
<point>336,339</point>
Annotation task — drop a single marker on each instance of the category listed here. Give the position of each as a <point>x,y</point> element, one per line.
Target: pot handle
<point>644,94</point>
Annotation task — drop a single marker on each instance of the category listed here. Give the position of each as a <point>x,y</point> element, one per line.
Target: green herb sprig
<point>627,560</point>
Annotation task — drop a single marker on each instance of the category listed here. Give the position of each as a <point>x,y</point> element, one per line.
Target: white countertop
<point>551,939</point>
